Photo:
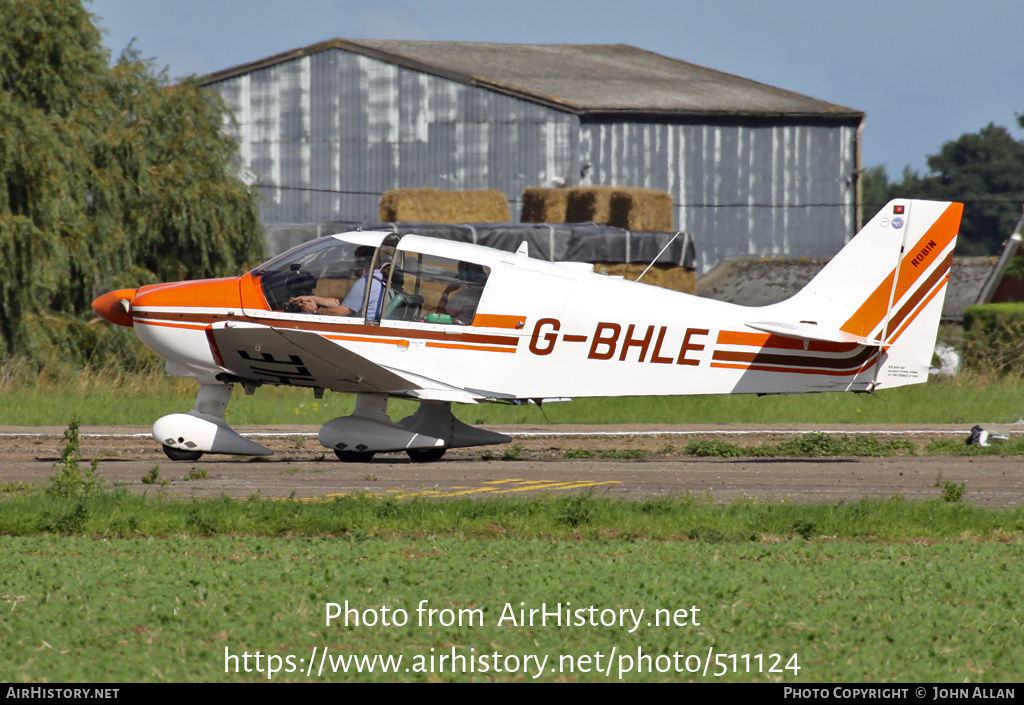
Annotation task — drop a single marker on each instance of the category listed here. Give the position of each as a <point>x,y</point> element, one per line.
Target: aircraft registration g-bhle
<point>386,315</point>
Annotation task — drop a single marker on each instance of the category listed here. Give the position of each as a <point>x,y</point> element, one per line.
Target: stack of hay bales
<point>637,209</point>
<point>432,205</point>
<point>634,209</point>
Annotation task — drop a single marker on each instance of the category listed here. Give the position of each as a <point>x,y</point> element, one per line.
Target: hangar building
<point>753,170</point>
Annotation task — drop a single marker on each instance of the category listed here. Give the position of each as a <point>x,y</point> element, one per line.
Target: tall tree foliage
<point>109,178</point>
<point>984,170</point>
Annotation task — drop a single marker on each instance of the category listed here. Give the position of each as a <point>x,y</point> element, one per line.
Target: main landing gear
<point>424,436</point>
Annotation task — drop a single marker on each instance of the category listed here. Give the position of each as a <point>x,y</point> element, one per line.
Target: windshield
<point>327,268</point>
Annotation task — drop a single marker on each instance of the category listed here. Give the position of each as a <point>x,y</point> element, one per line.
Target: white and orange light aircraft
<point>441,322</point>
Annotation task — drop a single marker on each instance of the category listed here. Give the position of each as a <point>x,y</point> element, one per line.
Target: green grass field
<point>113,587</point>
<point>179,609</point>
<point>98,399</point>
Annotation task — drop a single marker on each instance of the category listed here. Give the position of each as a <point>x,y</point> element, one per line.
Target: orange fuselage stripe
<point>480,343</point>
<point>495,320</point>
<point>323,326</point>
<point>797,370</point>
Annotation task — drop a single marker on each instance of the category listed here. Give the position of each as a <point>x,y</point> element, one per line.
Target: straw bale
<point>589,204</point>
<point>544,205</point>
<point>429,205</point>
<point>667,276</point>
<point>641,210</point>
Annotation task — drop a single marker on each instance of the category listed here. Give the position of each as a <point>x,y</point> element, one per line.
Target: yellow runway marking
<point>502,487</point>
<point>492,487</point>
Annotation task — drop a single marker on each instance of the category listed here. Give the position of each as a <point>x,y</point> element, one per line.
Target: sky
<point>924,71</point>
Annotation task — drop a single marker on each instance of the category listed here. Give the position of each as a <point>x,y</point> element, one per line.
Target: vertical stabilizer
<point>888,285</point>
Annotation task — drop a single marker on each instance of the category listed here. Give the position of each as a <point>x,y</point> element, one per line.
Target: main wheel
<point>354,456</point>
<point>425,455</point>
<point>178,454</point>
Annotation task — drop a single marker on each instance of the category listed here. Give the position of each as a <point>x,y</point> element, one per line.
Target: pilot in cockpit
<point>352,304</point>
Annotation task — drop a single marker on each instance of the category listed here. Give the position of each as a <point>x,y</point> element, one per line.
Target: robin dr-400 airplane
<point>385,315</point>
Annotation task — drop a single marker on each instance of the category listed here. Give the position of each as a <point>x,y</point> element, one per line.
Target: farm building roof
<point>579,78</point>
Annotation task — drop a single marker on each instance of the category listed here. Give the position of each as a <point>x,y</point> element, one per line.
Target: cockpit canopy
<point>418,287</point>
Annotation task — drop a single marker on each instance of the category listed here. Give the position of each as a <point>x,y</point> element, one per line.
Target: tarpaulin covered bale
<point>641,209</point>
<point>544,205</point>
<point>440,206</point>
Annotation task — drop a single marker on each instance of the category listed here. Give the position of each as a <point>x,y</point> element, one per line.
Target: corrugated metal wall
<point>756,188</point>
<point>330,132</point>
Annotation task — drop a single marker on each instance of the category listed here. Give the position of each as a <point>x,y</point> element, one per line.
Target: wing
<point>306,359</point>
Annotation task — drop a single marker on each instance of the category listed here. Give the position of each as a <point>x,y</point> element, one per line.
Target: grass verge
<point>121,514</point>
<point>99,398</point>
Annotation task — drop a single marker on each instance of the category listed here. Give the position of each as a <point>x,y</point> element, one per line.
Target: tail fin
<point>885,288</point>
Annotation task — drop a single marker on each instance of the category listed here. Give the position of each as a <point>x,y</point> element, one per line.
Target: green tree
<point>984,170</point>
<point>874,190</point>
<point>110,177</point>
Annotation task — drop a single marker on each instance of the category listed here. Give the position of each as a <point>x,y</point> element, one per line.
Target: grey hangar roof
<point>579,78</point>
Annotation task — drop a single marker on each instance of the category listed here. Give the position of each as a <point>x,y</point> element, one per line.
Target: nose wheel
<point>177,454</point>
<point>425,455</point>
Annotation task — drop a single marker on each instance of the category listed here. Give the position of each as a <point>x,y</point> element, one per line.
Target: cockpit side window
<point>434,289</point>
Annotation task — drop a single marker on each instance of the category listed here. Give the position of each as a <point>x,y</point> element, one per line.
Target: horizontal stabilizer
<point>810,331</point>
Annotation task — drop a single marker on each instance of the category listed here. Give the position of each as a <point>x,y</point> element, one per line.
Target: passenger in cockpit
<point>461,300</point>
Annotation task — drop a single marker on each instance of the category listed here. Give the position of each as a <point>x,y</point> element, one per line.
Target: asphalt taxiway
<point>625,461</point>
